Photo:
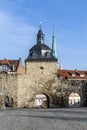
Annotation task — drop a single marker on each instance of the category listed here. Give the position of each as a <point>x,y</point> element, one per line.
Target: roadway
<point>44,119</point>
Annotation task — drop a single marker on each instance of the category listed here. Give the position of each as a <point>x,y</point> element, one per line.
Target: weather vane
<point>40,25</point>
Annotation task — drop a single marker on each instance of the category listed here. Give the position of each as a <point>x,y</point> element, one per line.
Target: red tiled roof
<point>72,74</point>
<point>4,62</point>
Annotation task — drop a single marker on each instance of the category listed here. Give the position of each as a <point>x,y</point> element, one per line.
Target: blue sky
<point>19,24</point>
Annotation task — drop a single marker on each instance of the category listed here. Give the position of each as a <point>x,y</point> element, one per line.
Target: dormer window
<point>5,68</point>
<point>81,75</point>
<point>13,67</point>
<point>73,75</point>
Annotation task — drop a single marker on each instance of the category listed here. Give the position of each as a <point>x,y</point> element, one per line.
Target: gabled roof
<point>72,74</point>
<point>9,62</point>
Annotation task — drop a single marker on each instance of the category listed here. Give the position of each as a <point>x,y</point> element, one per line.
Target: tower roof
<point>40,51</point>
<point>40,47</point>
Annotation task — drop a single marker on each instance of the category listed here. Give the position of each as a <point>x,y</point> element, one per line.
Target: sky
<point>19,25</point>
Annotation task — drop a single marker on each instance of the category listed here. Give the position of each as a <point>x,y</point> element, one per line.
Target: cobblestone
<point>44,119</point>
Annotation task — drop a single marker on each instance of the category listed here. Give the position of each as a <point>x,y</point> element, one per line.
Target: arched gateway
<point>41,101</point>
<point>74,100</point>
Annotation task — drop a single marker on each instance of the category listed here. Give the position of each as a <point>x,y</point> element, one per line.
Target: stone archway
<point>74,100</point>
<point>41,101</point>
<point>6,101</point>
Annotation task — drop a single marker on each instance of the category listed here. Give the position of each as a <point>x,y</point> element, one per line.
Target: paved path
<point>44,119</point>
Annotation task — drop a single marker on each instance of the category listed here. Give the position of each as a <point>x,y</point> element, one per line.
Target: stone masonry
<point>40,78</point>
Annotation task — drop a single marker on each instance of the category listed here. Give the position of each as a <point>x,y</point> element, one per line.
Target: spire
<point>54,53</point>
<point>40,35</point>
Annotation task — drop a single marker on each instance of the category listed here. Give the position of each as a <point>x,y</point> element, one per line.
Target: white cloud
<point>15,36</point>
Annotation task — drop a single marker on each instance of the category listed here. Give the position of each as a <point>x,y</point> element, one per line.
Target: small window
<point>4,68</point>
<point>41,67</point>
